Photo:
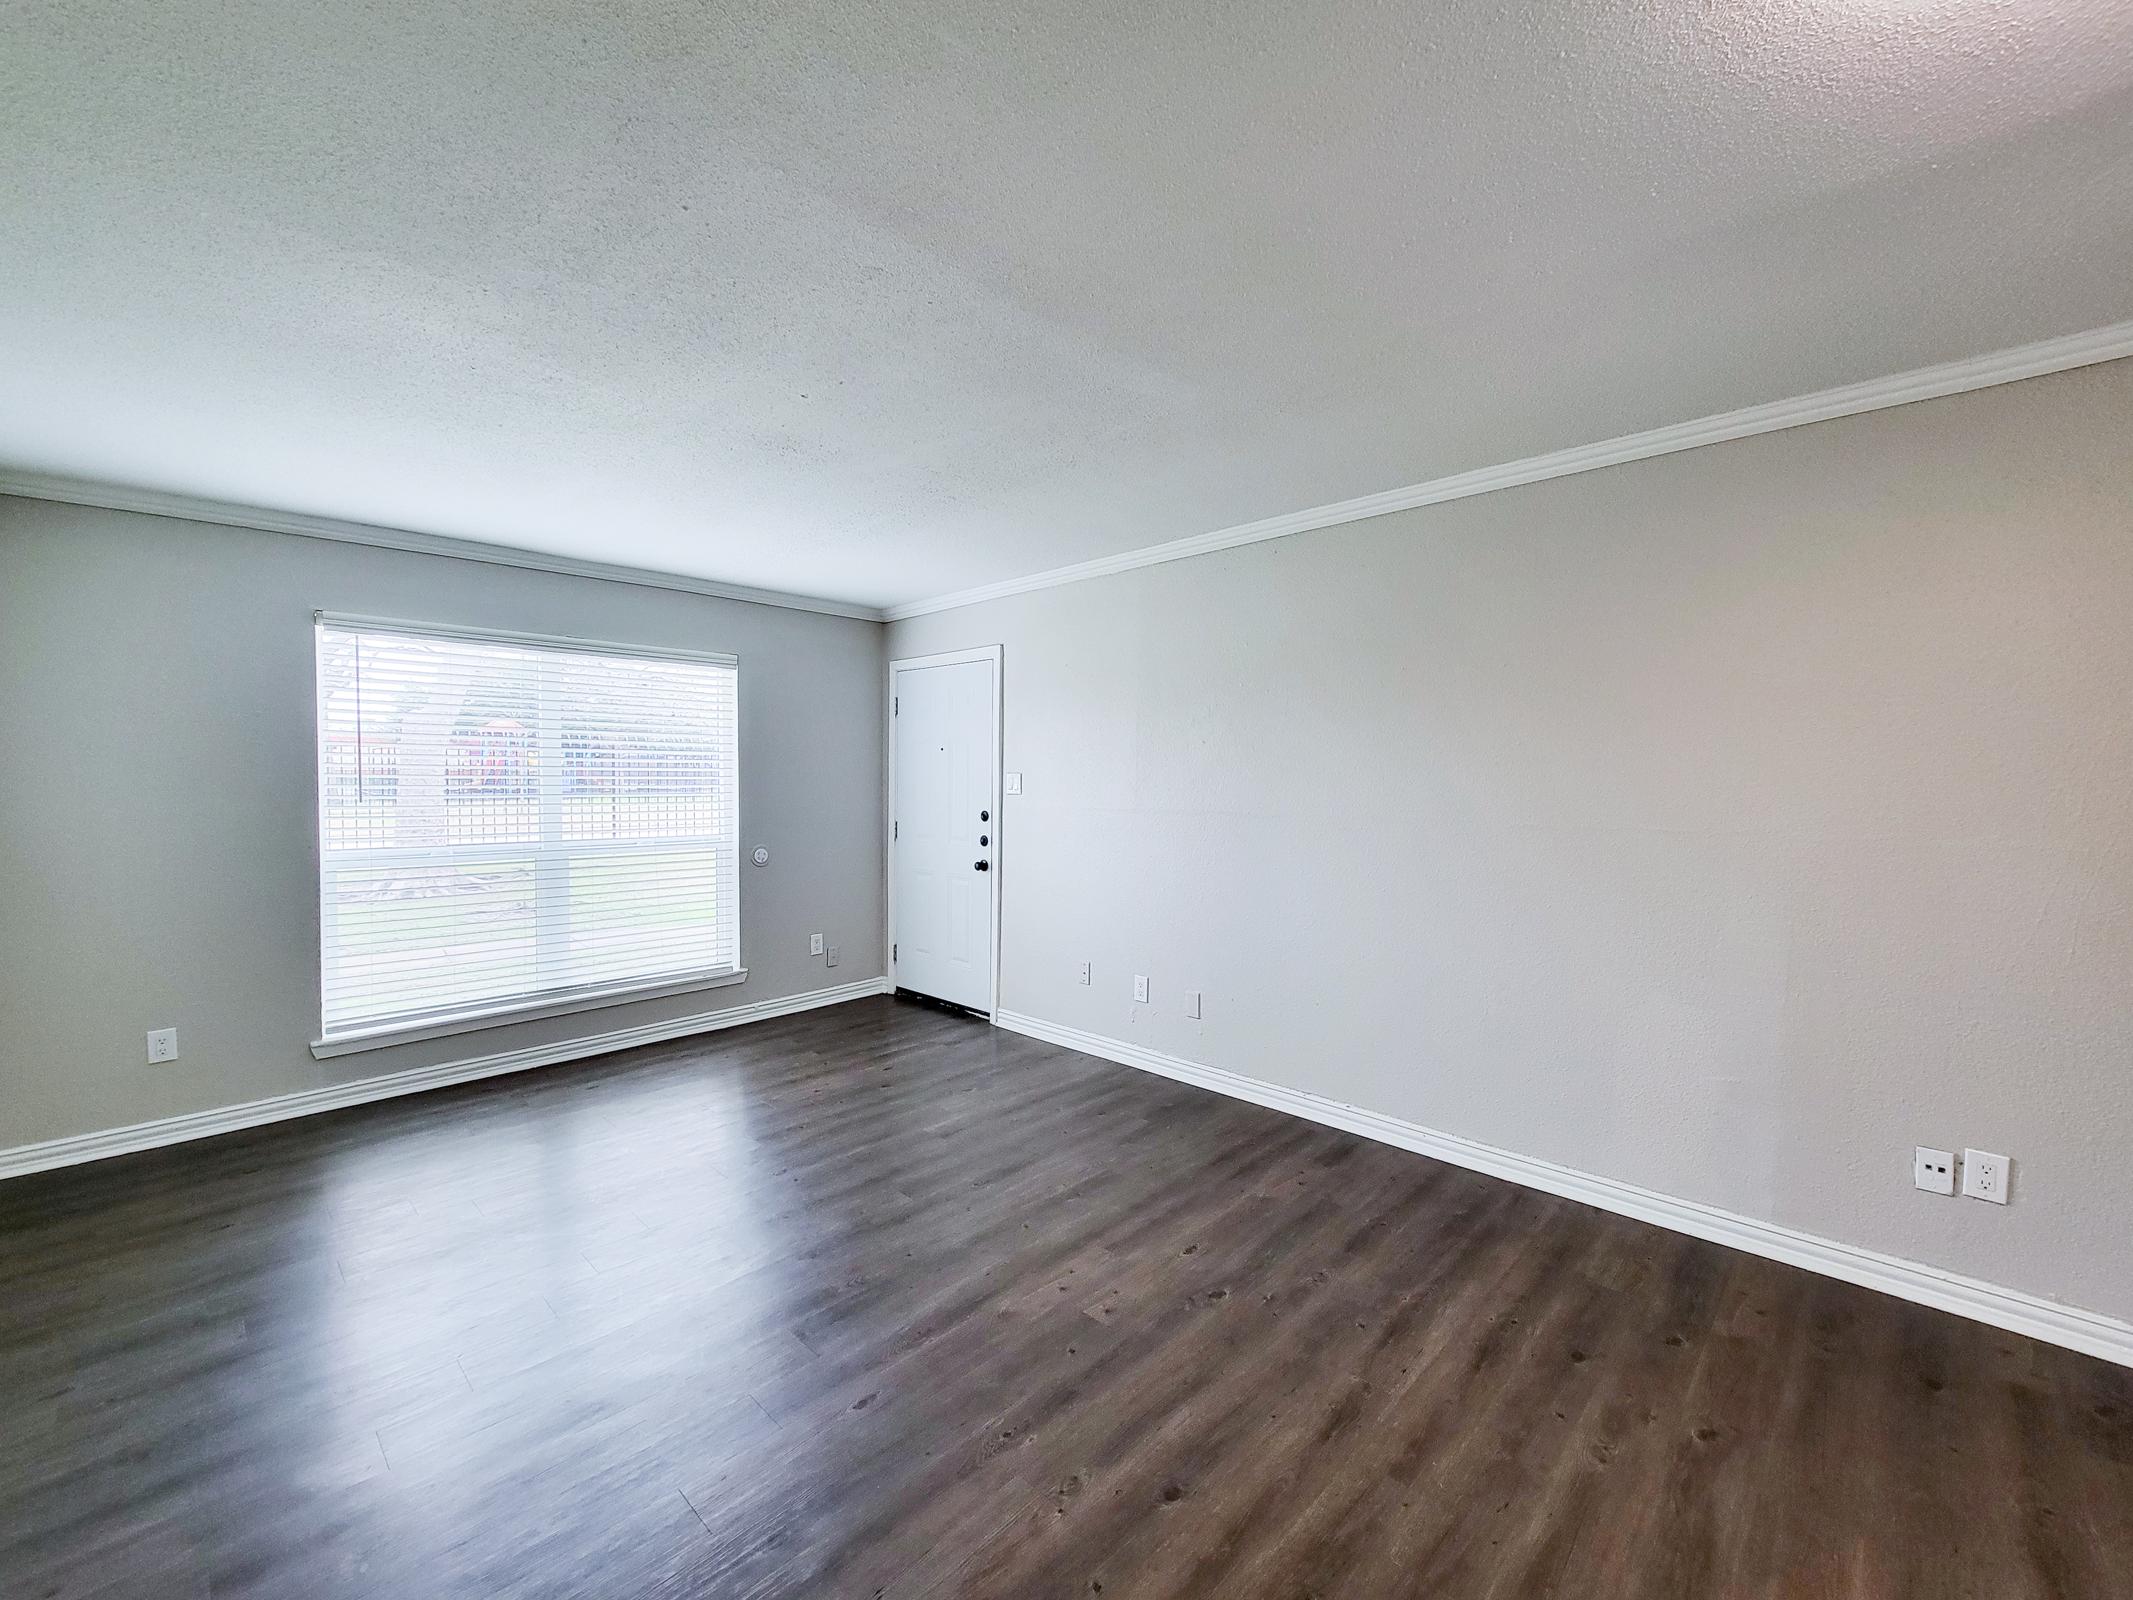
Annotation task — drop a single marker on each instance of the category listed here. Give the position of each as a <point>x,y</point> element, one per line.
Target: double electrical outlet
<point>1140,991</point>
<point>1984,1175</point>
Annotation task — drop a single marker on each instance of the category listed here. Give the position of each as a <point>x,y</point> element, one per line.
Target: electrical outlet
<point>163,1045</point>
<point>1140,989</point>
<point>814,944</point>
<point>1933,1170</point>
<point>1985,1176</point>
<point>1084,974</point>
<point>1192,1002</point>
<point>829,956</point>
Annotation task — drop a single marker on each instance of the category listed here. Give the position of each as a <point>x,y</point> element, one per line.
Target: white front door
<point>947,816</point>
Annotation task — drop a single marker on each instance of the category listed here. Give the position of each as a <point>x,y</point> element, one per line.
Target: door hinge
<point>892,952</point>
<point>896,830</point>
<point>896,705</point>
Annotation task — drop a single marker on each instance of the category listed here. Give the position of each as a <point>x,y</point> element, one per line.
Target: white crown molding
<point>83,1147</point>
<point>157,503</point>
<point>2011,1309</point>
<point>1928,383</point>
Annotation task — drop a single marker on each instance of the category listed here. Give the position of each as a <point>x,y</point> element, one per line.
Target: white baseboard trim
<point>83,1147</point>
<point>2017,1312</point>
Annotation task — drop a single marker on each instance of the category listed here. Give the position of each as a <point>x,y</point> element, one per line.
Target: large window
<point>507,824</point>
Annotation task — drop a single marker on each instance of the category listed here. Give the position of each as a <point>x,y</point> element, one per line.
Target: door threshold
<point>935,1003</point>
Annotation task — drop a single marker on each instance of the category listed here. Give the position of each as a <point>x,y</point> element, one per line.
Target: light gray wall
<point>1727,823</point>
<point>158,851</point>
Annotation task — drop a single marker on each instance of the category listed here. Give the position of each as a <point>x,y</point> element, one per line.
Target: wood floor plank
<point>880,1302</point>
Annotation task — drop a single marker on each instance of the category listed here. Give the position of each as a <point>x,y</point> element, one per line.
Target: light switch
<point>1014,783</point>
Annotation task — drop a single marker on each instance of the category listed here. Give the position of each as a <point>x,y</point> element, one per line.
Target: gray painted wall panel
<point>157,810</point>
<point>1727,823</point>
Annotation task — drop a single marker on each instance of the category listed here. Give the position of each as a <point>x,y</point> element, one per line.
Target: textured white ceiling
<point>880,300</point>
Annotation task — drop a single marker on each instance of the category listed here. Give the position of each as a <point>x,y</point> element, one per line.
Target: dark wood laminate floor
<point>877,1301</point>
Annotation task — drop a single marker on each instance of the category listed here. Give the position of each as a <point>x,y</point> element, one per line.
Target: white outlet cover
<point>1084,974</point>
<point>814,944</point>
<point>1140,988</point>
<point>1933,1170</point>
<point>1985,1176</point>
<point>163,1045</point>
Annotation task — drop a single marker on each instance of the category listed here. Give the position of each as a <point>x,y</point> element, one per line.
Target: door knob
<point>983,866</point>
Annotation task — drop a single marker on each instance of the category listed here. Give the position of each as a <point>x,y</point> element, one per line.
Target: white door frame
<point>947,658</point>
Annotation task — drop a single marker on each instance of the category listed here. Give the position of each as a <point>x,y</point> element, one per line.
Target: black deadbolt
<point>984,816</point>
<point>984,838</point>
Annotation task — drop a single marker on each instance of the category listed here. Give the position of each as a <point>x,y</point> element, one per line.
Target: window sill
<point>379,1038</point>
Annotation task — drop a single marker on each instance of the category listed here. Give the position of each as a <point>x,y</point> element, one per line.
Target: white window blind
<point>505,822</point>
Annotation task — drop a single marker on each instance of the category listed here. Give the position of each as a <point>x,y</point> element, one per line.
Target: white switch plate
<point>1084,974</point>
<point>814,944</point>
<point>1140,989</point>
<point>1014,783</point>
<point>1985,1176</point>
<point>829,956</point>
<point>1192,1002</point>
<point>1933,1170</point>
<point>163,1045</point>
